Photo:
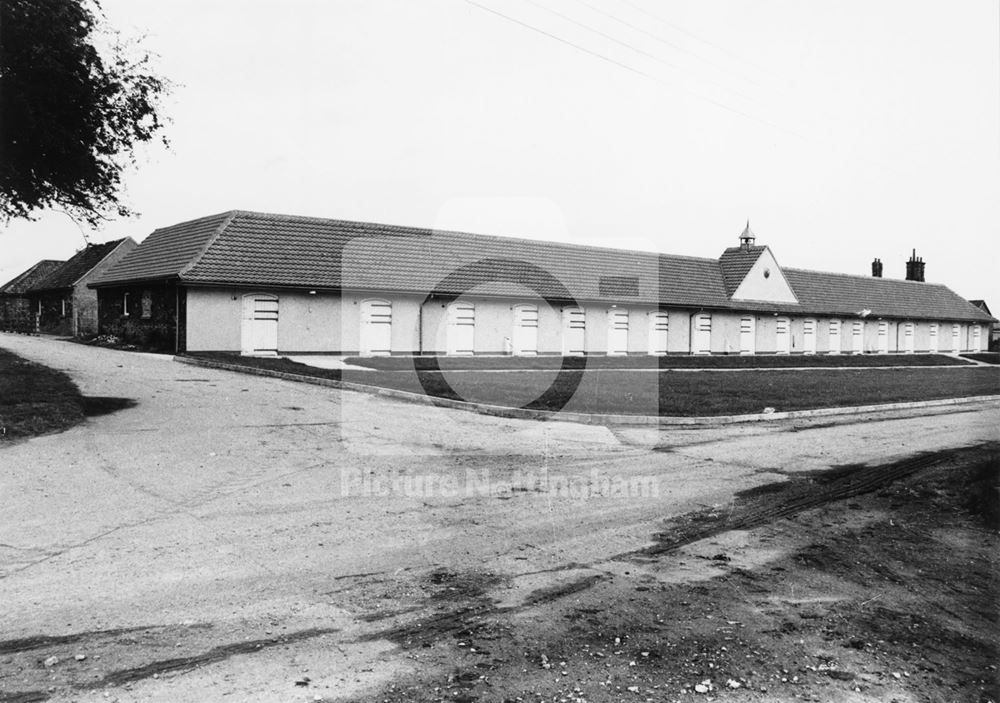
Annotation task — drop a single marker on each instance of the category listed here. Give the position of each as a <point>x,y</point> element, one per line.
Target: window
<point>63,302</point>
<point>125,304</point>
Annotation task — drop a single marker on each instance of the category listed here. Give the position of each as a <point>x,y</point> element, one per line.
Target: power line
<point>637,71</point>
<point>665,41</point>
<point>625,44</point>
<point>560,39</point>
<point>694,36</point>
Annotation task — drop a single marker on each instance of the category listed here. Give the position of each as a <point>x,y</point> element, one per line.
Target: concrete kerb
<point>581,418</point>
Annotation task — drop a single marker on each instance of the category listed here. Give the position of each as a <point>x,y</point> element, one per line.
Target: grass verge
<point>986,357</point>
<point>484,363</point>
<point>35,399</point>
<point>668,393</point>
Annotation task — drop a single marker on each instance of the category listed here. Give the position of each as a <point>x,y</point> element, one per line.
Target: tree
<point>72,111</point>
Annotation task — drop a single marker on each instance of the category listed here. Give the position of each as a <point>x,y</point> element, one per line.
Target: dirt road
<point>216,535</point>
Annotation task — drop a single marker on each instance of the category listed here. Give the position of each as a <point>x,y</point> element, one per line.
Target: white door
<point>701,334</point>
<point>748,335</point>
<point>956,338</point>
<point>908,338</point>
<point>259,331</point>
<point>524,340</point>
<point>617,332</point>
<point>834,344</point>
<point>857,337</point>
<point>977,338</point>
<point>461,330</point>
<point>783,335</point>
<point>574,322</point>
<point>809,336</point>
<point>376,328</point>
<point>883,338</point>
<point>932,334</point>
<point>659,328</point>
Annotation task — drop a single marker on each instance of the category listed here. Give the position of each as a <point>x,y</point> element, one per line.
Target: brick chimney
<point>915,268</point>
<point>877,268</point>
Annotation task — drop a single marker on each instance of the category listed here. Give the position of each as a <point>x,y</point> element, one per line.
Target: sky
<point>843,130</point>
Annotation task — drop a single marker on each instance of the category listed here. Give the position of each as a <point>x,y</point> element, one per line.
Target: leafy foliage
<point>71,114</point>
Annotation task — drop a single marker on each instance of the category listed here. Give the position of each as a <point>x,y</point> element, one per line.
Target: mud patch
<point>450,585</point>
<point>766,504</point>
<point>212,656</point>
<point>857,600</point>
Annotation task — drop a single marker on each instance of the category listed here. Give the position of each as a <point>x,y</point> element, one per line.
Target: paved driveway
<point>222,507</point>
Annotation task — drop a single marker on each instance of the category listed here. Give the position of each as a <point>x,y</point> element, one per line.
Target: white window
<point>63,301</point>
<point>834,343</point>
<point>659,328</point>
<point>376,328</point>
<point>524,338</point>
<point>574,321</point>
<point>748,335</point>
<point>857,337</point>
<point>617,332</point>
<point>883,337</point>
<point>809,336</point>
<point>125,304</point>
<point>461,330</point>
<point>783,335</point>
<point>932,334</point>
<point>701,334</point>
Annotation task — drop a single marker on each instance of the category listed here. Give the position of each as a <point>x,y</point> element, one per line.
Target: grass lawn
<point>425,363</point>
<point>668,393</point>
<point>35,399</point>
<point>987,357</point>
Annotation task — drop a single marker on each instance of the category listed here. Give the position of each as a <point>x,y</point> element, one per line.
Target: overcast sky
<point>844,130</point>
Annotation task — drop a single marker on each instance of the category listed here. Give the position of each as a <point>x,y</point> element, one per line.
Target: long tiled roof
<point>33,276</point>
<point>736,262</point>
<point>77,266</point>
<point>168,251</point>
<point>835,293</point>
<point>241,248</point>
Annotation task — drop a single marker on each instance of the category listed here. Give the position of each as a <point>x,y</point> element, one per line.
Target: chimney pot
<point>915,268</point>
<point>877,268</point>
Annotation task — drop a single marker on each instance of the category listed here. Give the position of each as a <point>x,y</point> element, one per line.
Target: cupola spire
<point>748,237</point>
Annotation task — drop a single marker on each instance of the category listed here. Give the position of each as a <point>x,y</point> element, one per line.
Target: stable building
<point>258,283</point>
<point>62,302</point>
<point>17,314</point>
